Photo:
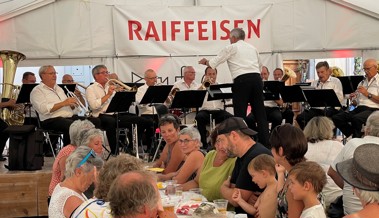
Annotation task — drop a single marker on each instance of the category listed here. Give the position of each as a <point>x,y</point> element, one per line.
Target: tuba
<point>288,73</point>
<point>10,60</point>
<point>336,71</point>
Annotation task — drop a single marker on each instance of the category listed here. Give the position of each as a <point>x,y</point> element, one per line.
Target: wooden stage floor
<point>24,193</point>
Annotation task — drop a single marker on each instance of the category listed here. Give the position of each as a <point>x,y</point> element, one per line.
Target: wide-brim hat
<point>362,171</point>
<point>235,123</point>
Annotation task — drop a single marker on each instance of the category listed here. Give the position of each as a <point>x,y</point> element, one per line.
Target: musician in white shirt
<point>245,67</point>
<point>150,77</point>
<point>325,81</point>
<point>99,96</point>
<point>214,108</point>
<point>367,95</point>
<point>55,109</point>
<point>188,82</point>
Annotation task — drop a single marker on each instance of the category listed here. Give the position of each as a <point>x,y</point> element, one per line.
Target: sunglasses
<point>90,153</point>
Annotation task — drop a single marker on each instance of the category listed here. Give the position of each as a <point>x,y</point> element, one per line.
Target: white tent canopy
<point>91,32</point>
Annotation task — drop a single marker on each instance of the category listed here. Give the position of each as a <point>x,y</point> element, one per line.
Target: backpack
<point>25,148</point>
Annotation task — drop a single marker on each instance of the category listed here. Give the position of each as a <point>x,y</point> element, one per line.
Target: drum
<point>188,119</point>
<point>177,112</point>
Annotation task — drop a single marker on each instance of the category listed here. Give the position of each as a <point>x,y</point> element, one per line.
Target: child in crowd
<point>262,170</point>
<point>307,179</point>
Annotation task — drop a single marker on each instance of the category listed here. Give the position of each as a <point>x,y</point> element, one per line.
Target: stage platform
<point>24,193</point>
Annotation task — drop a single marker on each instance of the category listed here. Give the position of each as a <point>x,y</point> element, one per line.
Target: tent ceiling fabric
<point>82,31</point>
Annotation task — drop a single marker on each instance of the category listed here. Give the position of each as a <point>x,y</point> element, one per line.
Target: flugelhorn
<point>81,85</point>
<point>122,85</point>
<point>82,108</point>
<point>288,73</point>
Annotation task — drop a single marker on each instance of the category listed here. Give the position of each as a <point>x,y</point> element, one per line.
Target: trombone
<point>87,113</point>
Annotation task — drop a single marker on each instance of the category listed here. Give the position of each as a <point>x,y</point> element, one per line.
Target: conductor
<point>245,67</point>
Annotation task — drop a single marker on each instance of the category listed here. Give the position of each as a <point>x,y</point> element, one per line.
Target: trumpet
<point>121,86</point>
<point>87,113</point>
<point>81,85</point>
<point>206,82</point>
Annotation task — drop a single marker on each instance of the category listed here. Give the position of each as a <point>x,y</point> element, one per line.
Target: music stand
<point>24,95</point>
<point>271,90</point>
<point>120,103</point>
<point>322,98</point>
<point>188,99</point>
<point>350,83</point>
<point>156,94</point>
<point>134,84</point>
<point>292,94</point>
<point>220,92</point>
<point>71,87</point>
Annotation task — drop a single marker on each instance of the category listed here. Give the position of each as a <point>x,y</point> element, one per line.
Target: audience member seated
<point>189,143</point>
<point>94,139</point>
<point>81,170</point>
<point>235,137</point>
<point>323,150</point>
<point>99,205</point>
<point>217,167</point>
<point>289,146</point>
<point>172,156</point>
<point>367,99</point>
<point>262,171</point>
<point>307,180</point>
<point>59,166</point>
<point>134,194</point>
<point>362,173</point>
<point>351,203</point>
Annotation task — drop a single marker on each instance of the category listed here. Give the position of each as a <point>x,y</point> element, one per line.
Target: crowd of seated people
<point>230,170</point>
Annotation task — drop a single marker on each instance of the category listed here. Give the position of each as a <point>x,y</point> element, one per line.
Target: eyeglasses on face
<point>185,141</point>
<point>51,73</point>
<point>104,72</point>
<point>68,81</point>
<point>151,77</point>
<point>90,153</point>
<point>367,68</point>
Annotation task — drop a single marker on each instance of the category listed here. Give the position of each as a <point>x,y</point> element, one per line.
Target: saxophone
<point>15,116</point>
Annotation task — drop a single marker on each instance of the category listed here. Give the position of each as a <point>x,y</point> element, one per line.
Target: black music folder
<point>220,92</point>
<point>292,94</point>
<point>350,83</point>
<point>322,98</point>
<point>121,102</point>
<point>24,95</point>
<point>188,99</point>
<point>271,90</point>
<point>156,94</point>
<point>71,87</point>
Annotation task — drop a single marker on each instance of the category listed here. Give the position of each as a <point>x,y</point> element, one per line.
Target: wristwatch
<point>369,96</point>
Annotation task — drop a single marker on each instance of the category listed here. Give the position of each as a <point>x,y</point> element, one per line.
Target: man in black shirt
<point>235,135</point>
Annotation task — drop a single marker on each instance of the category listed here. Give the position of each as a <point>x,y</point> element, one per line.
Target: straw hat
<point>362,171</point>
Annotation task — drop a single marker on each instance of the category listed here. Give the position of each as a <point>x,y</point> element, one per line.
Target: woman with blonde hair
<point>323,150</point>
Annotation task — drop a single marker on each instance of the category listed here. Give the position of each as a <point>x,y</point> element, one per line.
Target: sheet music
<point>226,90</point>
